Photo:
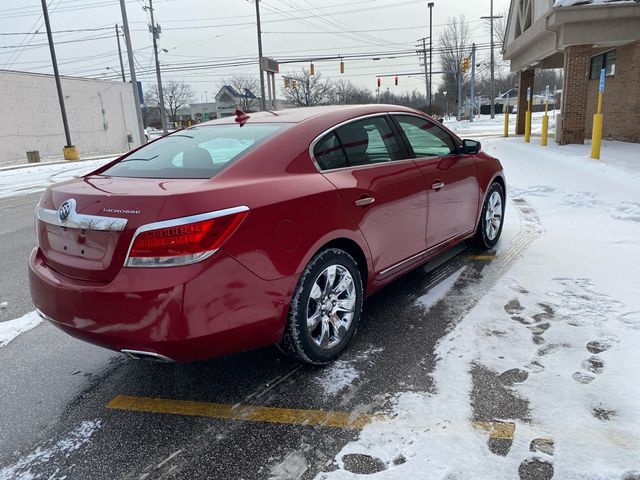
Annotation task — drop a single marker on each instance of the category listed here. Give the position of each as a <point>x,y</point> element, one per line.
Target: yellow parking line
<point>243,412</point>
<point>482,257</point>
<point>499,430</point>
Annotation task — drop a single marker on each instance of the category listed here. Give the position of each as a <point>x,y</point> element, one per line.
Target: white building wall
<point>100,114</point>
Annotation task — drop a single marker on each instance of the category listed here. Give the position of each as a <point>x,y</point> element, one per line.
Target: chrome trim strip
<point>181,221</point>
<point>140,354</point>
<point>80,220</point>
<point>397,265</point>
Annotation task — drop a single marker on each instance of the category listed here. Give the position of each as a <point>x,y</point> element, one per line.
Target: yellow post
<point>596,133</point>
<point>506,118</point>
<point>527,120</point>
<point>545,122</point>
<point>71,153</point>
<point>598,121</point>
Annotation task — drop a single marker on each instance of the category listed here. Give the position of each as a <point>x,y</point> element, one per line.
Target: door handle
<point>364,201</point>
<point>437,185</point>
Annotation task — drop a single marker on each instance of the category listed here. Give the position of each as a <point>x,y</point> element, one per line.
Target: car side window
<point>369,141</point>
<point>329,153</point>
<point>426,138</point>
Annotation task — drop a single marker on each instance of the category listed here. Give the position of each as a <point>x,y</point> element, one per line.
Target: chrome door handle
<point>437,185</point>
<point>364,201</point>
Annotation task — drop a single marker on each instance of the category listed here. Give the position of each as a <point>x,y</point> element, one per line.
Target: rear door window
<point>196,152</point>
<point>369,141</point>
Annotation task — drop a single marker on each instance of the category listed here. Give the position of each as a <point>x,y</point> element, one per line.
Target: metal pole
<point>120,53</point>
<point>473,82</point>
<point>430,5</point>
<point>263,104</point>
<point>154,32</point>
<point>493,89</point>
<point>132,71</point>
<point>426,67</point>
<point>52,49</point>
<point>459,75</point>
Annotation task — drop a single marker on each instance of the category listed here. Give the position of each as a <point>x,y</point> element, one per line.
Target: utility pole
<point>120,53</point>
<point>473,82</point>
<point>132,71</point>
<point>69,150</point>
<point>263,104</point>
<point>155,31</point>
<point>426,72</point>
<point>430,5</point>
<point>491,18</point>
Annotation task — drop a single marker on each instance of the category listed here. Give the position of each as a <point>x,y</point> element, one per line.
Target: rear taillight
<point>183,241</point>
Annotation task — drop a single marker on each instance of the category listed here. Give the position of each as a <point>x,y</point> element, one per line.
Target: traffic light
<point>396,80</point>
<point>286,82</point>
<point>294,84</point>
<point>312,69</point>
<point>466,61</point>
<point>379,82</point>
<point>341,67</point>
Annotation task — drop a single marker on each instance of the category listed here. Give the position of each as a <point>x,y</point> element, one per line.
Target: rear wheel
<point>491,218</point>
<point>325,308</point>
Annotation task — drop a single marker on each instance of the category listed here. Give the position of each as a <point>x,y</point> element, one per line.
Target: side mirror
<point>471,146</point>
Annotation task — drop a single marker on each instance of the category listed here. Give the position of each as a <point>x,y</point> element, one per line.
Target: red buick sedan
<point>268,228</point>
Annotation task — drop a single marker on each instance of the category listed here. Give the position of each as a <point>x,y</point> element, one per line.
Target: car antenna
<point>241,117</point>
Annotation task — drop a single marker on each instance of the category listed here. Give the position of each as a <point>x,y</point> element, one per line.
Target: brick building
<point>582,37</point>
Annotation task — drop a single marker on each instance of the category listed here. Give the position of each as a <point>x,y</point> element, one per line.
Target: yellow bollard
<point>596,135</point>
<point>71,153</point>
<point>506,122</point>
<point>527,127</point>
<point>545,130</point>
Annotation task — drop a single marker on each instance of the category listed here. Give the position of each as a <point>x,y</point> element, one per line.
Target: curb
<point>57,162</point>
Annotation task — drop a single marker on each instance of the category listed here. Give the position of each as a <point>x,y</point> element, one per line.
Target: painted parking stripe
<point>482,257</point>
<point>243,412</point>
<point>497,430</point>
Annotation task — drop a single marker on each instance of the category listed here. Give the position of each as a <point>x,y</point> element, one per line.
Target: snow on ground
<point>437,293</point>
<point>485,126</point>
<point>25,181</point>
<point>341,374</point>
<point>565,318</point>
<point>12,328</point>
<point>51,452</point>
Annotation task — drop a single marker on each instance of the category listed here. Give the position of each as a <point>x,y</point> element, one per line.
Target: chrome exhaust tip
<point>150,356</point>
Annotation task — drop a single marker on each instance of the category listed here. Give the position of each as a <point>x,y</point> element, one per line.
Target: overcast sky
<point>222,31</point>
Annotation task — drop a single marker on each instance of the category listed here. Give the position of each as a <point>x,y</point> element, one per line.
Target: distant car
<point>151,133</point>
<point>264,229</point>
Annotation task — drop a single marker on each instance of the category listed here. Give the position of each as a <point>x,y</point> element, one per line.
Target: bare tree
<point>309,90</point>
<point>499,28</point>
<point>344,92</point>
<point>176,95</point>
<point>246,86</point>
<point>454,46</point>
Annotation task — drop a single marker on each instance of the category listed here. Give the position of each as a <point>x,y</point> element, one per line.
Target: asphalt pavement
<point>75,411</point>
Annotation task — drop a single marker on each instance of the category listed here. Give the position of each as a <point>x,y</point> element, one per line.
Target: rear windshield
<point>196,152</point>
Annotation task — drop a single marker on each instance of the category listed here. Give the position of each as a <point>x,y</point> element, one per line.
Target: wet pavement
<point>54,406</point>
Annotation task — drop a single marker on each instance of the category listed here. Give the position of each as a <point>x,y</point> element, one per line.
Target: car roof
<point>298,115</point>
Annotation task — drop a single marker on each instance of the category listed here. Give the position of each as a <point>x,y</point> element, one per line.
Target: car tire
<point>325,308</point>
<point>491,218</point>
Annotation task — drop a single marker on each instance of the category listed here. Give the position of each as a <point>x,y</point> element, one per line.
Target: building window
<point>524,16</point>
<point>606,60</point>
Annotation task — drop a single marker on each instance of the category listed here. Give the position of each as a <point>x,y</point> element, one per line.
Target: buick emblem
<point>65,210</point>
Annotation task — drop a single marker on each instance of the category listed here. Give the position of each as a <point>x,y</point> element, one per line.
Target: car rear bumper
<point>181,313</point>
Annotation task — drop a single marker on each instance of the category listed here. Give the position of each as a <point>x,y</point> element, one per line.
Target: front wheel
<point>325,308</point>
<point>491,218</point>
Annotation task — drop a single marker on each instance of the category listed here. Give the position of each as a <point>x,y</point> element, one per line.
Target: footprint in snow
<point>631,319</point>
<point>594,364</point>
<point>535,469</point>
<point>361,464</point>
<point>628,211</point>
<point>598,346</point>
<point>583,378</point>
<point>513,307</point>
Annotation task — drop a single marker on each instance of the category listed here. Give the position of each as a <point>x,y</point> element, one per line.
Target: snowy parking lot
<point>519,364</point>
